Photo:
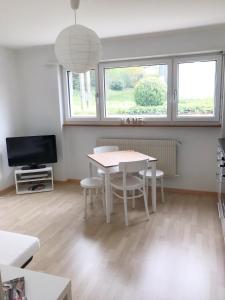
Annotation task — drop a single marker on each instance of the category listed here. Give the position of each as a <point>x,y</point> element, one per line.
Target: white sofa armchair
<point>17,249</point>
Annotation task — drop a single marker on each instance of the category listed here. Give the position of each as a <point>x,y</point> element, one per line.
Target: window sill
<point>145,124</point>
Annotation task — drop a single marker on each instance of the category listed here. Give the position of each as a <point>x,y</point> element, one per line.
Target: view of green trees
<point>136,90</point>
<point>150,92</point>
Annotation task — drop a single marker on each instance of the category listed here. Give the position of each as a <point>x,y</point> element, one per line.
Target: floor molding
<point>167,189</point>
<point>77,182</point>
<point>185,191</point>
<point>7,190</point>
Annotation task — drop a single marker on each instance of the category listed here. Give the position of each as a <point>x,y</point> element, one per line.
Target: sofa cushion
<point>16,249</point>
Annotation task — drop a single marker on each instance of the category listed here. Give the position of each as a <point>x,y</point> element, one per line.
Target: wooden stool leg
<point>85,203</point>
<point>91,196</point>
<point>146,205</point>
<point>112,203</point>
<point>133,200</point>
<point>146,188</point>
<point>103,198</point>
<point>162,190</point>
<point>125,207</point>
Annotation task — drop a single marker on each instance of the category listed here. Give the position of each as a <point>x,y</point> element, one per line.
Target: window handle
<point>175,95</point>
<point>97,97</point>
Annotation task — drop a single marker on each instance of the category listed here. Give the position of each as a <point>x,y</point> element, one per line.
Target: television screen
<point>31,150</point>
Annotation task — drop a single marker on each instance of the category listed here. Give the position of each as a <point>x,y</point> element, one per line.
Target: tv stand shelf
<point>34,180</point>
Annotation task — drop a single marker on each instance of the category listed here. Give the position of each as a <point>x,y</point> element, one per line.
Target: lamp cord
<point>75,16</point>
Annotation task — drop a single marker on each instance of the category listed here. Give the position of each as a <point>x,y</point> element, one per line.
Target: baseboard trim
<point>7,190</point>
<point>75,181</point>
<point>167,189</point>
<point>184,191</point>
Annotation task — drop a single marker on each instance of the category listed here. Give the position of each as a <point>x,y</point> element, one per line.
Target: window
<point>197,91</point>
<point>175,89</point>
<point>139,90</point>
<point>82,95</point>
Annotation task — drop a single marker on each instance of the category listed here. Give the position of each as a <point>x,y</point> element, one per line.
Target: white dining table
<point>109,160</point>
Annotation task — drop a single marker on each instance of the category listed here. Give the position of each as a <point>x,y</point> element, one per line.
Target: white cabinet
<point>221,185</point>
<point>34,180</point>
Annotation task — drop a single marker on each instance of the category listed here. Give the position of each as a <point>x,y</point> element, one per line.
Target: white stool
<point>89,184</point>
<point>159,175</point>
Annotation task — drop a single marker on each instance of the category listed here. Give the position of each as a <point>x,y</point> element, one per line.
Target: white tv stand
<point>34,180</point>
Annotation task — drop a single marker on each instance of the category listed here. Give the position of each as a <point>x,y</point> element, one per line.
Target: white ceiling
<point>37,22</point>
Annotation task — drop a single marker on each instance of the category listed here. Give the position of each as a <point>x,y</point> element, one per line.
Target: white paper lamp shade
<point>78,49</point>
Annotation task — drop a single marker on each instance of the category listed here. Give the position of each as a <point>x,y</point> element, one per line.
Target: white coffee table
<point>39,286</point>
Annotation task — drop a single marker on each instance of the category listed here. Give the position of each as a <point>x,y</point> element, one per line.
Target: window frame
<point>217,93</point>
<point>172,86</point>
<point>67,101</point>
<point>135,63</point>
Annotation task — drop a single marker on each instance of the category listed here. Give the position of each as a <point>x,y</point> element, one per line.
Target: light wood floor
<point>177,255</point>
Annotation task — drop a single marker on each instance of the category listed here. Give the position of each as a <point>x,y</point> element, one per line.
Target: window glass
<point>136,91</point>
<point>82,94</point>
<point>196,89</point>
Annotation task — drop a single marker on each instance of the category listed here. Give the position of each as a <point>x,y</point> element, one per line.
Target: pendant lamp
<point>78,48</point>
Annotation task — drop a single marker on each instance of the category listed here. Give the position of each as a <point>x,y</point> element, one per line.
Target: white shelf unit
<point>34,180</point>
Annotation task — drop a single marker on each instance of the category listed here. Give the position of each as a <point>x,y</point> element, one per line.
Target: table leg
<point>107,196</point>
<point>153,186</point>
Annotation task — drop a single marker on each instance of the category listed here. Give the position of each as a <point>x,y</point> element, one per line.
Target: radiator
<point>165,150</point>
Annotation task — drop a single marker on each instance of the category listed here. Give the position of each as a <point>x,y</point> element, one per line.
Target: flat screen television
<point>31,151</point>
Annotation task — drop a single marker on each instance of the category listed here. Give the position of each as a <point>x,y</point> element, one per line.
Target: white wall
<point>40,91</point>
<point>209,38</point>
<point>10,110</point>
<point>196,158</point>
<point>196,155</point>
